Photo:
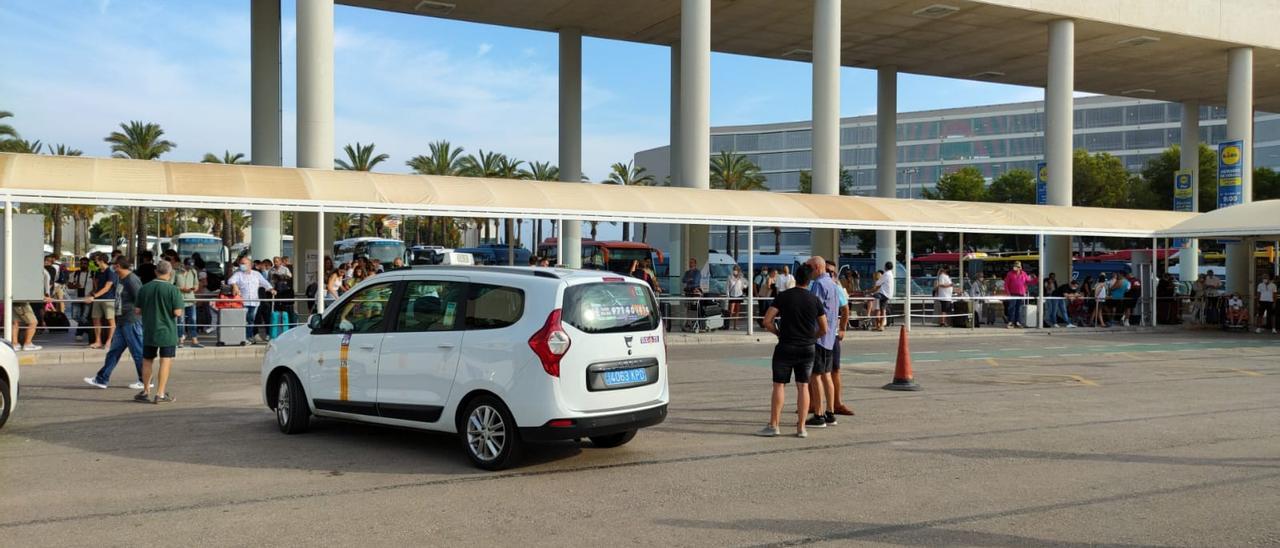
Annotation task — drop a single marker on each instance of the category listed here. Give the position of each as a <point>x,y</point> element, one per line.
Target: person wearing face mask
<point>245,283</point>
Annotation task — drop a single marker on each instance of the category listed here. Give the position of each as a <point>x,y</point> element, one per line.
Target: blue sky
<point>75,69</point>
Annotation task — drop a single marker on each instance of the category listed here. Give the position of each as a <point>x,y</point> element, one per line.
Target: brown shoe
<point>843,410</point>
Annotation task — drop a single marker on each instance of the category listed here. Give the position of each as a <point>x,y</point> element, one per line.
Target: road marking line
<point>1247,372</point>
<point>927,352</point>
<point>1067,355</point>
<point>1054,347</point>
<point>972,350</point>
<point>992,362</point>
<point>930,360</point>
<point>1033,356</point>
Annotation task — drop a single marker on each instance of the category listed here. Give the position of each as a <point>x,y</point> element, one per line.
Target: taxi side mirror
<point>313,322</point>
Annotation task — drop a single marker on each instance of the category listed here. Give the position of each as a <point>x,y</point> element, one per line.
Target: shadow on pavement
<point>984,453</point>
<point>248,438</point>
<point>907,534</point>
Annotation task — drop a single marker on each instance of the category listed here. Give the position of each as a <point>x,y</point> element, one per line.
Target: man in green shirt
<point>160,305</point>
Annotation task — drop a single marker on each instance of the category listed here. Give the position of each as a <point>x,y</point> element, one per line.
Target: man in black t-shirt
<point>146,267</point>
<point>798,318</point>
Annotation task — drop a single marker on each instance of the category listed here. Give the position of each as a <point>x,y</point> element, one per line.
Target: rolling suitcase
<point>280,321</point>
<point>963,317</point>
<point>231,322</point>
<point>712,316</point>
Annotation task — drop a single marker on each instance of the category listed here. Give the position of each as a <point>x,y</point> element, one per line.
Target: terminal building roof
<point>1173,50</point>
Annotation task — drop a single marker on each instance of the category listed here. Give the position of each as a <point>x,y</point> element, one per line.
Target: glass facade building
<point>995,139</point>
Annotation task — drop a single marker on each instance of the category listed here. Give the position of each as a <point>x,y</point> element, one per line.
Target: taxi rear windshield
<point>610,308</point>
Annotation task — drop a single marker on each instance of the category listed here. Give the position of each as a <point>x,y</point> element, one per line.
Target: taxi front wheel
<point>293,415</point>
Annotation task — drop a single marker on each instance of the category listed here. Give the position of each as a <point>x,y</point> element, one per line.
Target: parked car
<point>499,355</point>
<point>8,381</point>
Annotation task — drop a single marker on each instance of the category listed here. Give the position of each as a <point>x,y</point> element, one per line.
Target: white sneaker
<point>1071,326</point>
<point>92,382</point>
<point>1126,322</point>
<point>1258,330</point>
<point>137,385</point>
<point>31,347</point>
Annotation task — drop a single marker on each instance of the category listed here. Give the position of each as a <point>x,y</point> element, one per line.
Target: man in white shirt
<point>785,279</point>
<point>884,292</point>
<point>246,281</point>
<point>1266,303</point>
<point>945,291</point>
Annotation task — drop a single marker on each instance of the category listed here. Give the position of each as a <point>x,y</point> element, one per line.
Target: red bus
<point>614,256</point>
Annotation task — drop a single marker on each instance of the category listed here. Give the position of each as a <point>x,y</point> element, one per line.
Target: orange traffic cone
<point>902,379</point>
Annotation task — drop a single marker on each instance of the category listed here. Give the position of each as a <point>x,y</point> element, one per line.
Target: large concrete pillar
<point>266,139</point>
<point>1240,126</point>
<point>886,155</point>
<point>315,127</point>
<point>1059,117</point>
<point>674,233</point>
<point>826,116</point>
<point>570,132</point>
<point>695,116</point>
<point>1189,257</point>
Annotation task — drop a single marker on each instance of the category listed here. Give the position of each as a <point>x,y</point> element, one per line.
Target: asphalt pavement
<point>1128,439</point>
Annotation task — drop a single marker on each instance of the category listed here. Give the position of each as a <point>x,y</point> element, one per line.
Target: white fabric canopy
<point>108,181</point>
<point>1251,219</point>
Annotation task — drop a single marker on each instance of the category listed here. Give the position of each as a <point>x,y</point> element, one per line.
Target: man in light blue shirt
<point>820,386</point>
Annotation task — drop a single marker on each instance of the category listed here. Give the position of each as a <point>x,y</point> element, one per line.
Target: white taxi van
<point>499,355</point>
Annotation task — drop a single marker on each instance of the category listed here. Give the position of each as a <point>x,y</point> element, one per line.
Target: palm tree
<point>22,146</point>
<point>542,171</point>
<point>139,141</point>
<point>483,164</point>
<point>64,150</point>
<point>509,168</point>
<point>628,174</point>
<point>8,135</point>
<point>222,224</point>
<point>342,224</point>
<point>733,171</point>
<point>6,130</point>
<point>56,213</point>
<point>441,159</point>
<point>360,158</point>
<point>227,158</point>
<point>81,215</point>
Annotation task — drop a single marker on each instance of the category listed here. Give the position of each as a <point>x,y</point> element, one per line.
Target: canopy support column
<point>1040,277</point>
<point>906,283</point>
<point>560,244</point>
<point>751,280</point>
<point>9,335</point>
<point>1153,280</point>
<point>320,273</point>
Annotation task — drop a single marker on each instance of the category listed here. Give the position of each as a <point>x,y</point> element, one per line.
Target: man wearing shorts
<point>841,326</point>
<point>160,305</point>
<point>798,319</point>
<point>884,292</point>
<point>822,395</point>
<point>102,303</point>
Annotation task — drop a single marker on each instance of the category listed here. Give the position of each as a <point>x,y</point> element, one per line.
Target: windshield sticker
<point>449,310</point>
<point>614,313</point>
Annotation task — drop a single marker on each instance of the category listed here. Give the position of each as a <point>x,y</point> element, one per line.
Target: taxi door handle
<point>445,346</point>
<point>366,347</point>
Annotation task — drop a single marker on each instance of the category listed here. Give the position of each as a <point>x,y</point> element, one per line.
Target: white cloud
<point>85,76</point>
